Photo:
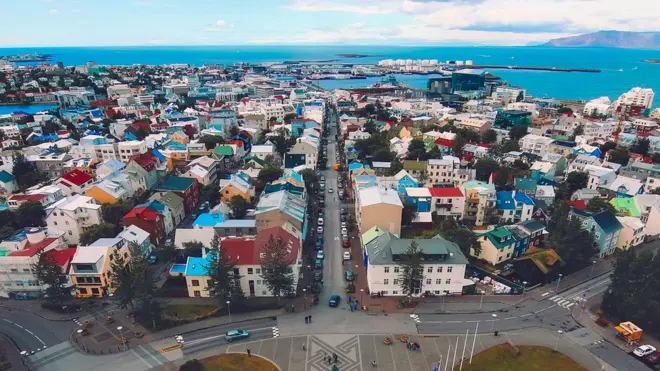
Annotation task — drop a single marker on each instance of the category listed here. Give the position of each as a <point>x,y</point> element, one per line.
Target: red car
<point>653,358</point>
<point>346,244</point>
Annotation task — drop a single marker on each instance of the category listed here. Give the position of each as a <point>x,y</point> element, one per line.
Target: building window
<point>66,222</point>
<point>439,269</point>
<point>386,281</point>
<point>395,292</point>
<point>387,269</point>
<point>396,269</point>
<point>448,281</point>
<point>197,293</point>
<point>258,270</point>
<point>449,269</point>
<point>396,282</point>
<point>195,282</point>
<point>438,281</point>
<point>429,270</point>
<point>428,281</point>
<point>250,271</point>
<point>55,223</point>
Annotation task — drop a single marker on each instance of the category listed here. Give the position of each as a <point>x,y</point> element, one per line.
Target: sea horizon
<point>621,69</point>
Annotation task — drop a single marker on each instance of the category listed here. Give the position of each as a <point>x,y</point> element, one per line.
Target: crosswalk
<point>563,302</point>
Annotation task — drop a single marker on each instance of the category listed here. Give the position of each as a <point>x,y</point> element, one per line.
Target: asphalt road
<point>31,332</point>
<point>202,340</point>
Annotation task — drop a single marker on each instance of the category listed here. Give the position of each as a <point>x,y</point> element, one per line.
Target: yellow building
<point>90,269</point>
<point>236,186</point>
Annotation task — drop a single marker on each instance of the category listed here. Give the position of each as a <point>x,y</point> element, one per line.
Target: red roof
<point>37,197</point>
<point>31,249</point>
<point>62,257</point>
<point>578,204</point>
<point>288,239</point>
<point>147,160</point>
<point>445,192</point>
<point>76,177</point>
<point>241,251</point>
<point>142,212</point>
<point>444,142</point>
<point>237,142</point>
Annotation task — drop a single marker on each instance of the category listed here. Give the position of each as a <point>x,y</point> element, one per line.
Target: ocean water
<point>29,108</point>
<point>622,69</point>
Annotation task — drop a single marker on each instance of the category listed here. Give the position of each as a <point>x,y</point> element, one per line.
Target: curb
<point>38,314</point>
<point>221,324</point>
<point>579,283</point>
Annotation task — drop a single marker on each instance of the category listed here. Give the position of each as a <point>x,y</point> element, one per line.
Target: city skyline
<point>296,22</point>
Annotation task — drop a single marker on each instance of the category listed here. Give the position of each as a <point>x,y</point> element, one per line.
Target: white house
<point>536,144</point>
<point>131,148</point>
<point>632,234</point>
<point>72,215</point>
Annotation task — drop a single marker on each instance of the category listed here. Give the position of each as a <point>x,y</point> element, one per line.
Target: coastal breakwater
<point>528,68</point>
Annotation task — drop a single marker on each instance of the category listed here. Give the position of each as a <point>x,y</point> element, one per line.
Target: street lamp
<point>305,297</point>
<point>593,265</point>
<point>481,301</point>
<point>361,293</point>
<point>67,310</point>
<point>119,328</point>
<point>492,328</point>
<point>229,309</point>
<point>559,332</point>
<point>523,291</point>
<point>80,335</point>
<point>558,280</point>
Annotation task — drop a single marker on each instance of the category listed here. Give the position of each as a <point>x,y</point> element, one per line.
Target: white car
<point>320,221</point>
<point>347,255</point>
<point>343,224</point>
<point>344,231</point>
<point>330,190</point>
<point>644,350</point>
<point>319,230</point>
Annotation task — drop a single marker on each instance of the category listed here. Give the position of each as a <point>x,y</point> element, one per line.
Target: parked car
<point>320,221</point>
<point>330,190</point>
<point>341,193</point>
<point>644,350</point>
<point>653,358</point>
<point>236,335</point>
<point>348,275</point>
<point>152,258</point>
<point>342,211</point>
<point>319,238</point>
<point>319,230</point>
<point>318,276</point>
<point>320,255</point>
<point>318,264</point>
<point>345,242</point>
<point>322,176</point>
<point>347,255</point>
<point>344,231</point>
<point>334,301</point>
<point>343,224</point>
<point>318,246</point>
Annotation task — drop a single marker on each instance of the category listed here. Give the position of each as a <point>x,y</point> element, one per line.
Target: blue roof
<point>524,198</point>
<point>365,178</point>
<point>198,266</point>
<point>6,176</point>
<point>504,200</point>
<point>176,183</point>
<point>355,166</point>
<point>158,155</point>
<point>208,220</point>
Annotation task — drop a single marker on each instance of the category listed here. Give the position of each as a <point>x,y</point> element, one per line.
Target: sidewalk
<point>34,307</point>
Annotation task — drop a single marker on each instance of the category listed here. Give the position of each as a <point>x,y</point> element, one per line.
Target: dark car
<point>342,211</point>
<point>318,276</point>
<point>319,238</point>
<point>236,335</point>
<point>318,246</point>
<point>334,301</point>
<point>152,258</point>
<point>348,275</point>
<point>345,243</point>
<point>318,264</point>
<point>342,218</point>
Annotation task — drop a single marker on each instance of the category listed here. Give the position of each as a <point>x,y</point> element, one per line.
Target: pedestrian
<point>310,318</point>
<point>335,357</point>
<point>249,352</point>
<point>373,363</point>
<point>306,319</point>
<point>329,360</point>
<point>304,347</point>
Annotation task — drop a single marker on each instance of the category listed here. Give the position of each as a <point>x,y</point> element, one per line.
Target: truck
<point>629,332</point>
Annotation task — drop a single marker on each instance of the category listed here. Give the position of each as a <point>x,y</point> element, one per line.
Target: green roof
<point>176,184</point>
<point>495,235</point>
<point>414,165</point>
<point>525,183</point>
<point>380,249</point>
<point>223,150</point>
<point>255,159</point>
<point>627,204</point>
<point>371,234</point>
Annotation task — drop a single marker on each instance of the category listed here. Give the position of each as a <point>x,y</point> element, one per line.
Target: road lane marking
<point>526,315</point>
<point>546,294</point>
<point>433,322</point>
<point>19,326</point>
<point>544,309</point>
<point>471,321</point>
<point>6,320</point>
<point>569,305</point>
<point>454,322</point>
<point>510,318</point>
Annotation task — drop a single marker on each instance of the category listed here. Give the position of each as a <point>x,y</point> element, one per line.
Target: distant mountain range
<point>610,39</point>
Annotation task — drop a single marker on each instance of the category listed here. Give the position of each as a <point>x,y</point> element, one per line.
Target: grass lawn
<point>237,362</point>
<point>531,358</point>
<point>188,311</point>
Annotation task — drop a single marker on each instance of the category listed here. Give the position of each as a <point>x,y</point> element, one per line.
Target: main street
<point>32,333</point>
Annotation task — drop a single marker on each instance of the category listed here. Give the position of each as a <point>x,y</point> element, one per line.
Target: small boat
<point>634,68</point>
<point>620,69</point>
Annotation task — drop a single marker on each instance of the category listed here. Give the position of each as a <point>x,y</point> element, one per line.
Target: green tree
<point>211,141</point>
<point>233,131</point>
<point>484,167</point>
<point>576,180</point>
<point>517,132</point>
<point>51,275</point>
<point>93,233</point>
<point>459,143</point>
<point>490,136</point>
<point>655,158</point>
<point>25,172</point>
<point>641,146</point>
<point>113,213</point>
<point>463,237</point>
<point>289,117</point>
<point>30,214</point>
<point>273,162</point>
<point>224,279</point>
<point>510,146</point>
<point>575,245</point>
<point>210,193</point>
<point>147,307</point>
<point>606,147</point>
<point>395,167</point>
<point>310,178</point>
<point>121,281</point>
<point>598,204</point>
<point>434,153</point>
<point>239,207</point>
<point>412,270</point>
<point>417,150</point>
<point>192,365</point>
<point>276,268</point>
<point>619,156</point>
<point>408,214</point>
<point>269,174</point>
<point>369,126</point>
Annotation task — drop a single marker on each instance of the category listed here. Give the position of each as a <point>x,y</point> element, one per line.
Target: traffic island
<point>505,357</point>
<point>234,362</point>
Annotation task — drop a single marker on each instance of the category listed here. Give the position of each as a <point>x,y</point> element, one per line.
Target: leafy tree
<point>576,180</point>
<point>30,214</point>
<point>369,126</point>
<point>281,144</point>
<point>434,153</point>
<point>383,155</point>
<point>641,146</point>
<point>211,141</point>
<point>484,167</point>
<point>509,146</point>
<point>459,143</point>
<point>233,131</point>
<point>51,275</point>
<point>310,178</point>
<point>269,174</point>
<point>598,204</point>
<point>369,109</point>
<point>395,167</point>
<point>210,193</point>
<point>606,147</point>
<point>239,207</point>
<point>147,307</point>
<point>273,162</point>
<point>517,132</point>
<point>288,117</point>
<point>417,150</point>
<point>564,109</point>
<point>412,270</point>
<point>490,136</point>
<point>575,245</point>
<point>655,158</point>
<point>93,233</point>
<point>276,268</point>
<point>192,365</point>
<point>619,156</point>
<point>463,237</point>
<point>121,281</point>
<point>25,172</point>
<point>113,213</point>
<point>167,251</point>
<point>224,281</point>
<point>408,214</point>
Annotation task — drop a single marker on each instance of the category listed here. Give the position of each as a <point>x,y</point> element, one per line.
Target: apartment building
<point>535,144</point>
<point>91,266</point>
<point>479,201</point>
<point>50,164</point>
<point>447,202</point>
<point>72,215</point>
<point>378,206</point>
<point>131,148</point>
<point>633,232</point>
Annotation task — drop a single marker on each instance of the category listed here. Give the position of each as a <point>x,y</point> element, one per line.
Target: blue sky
<point>355,22</point>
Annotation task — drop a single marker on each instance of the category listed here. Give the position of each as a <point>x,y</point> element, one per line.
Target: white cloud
<point>54,11</point>
<point>220,23</point>
<point>365,6</point>
<point>219,26</point>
